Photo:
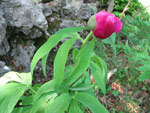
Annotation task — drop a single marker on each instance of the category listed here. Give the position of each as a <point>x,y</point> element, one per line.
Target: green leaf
<point>44,60</point>
<point>144,76</point>
<point>45,88</point>
<point>82,88</point>
<point>115,93</point>
<point>102,65</point>
<point>144,68</point>
<point>60,61</point>
<point>98,76</point>
<point>91,102</point>
<point>74,54</point>
<point>71,30</point>
<point>27,101</point>
<point>145,62</point>
<point>52,42</point>
<point>74,108</point>
<point>83,60</point>
<point>110,40</point>
<point>9,95</point>
<point>40,105</point>
<point>23,78</point>
<point>22,110</point>
<point>60,104</point>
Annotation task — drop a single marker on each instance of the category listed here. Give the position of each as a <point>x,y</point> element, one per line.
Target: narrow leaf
<point>52,42</point>
<point>23,78</point>
<point>74,54</point>
<point>74,108</point>
<point>98,76</point>
<point>91,102</point>
<point>45,88</point>
<point>144,68</point>
<point>144,76</point>
<point>82,88</point>
<point>83,60</point>
<point>40,105</point>
<point>9,95</point>
<point>44,60</point>
<point>60,61</point>
<point>60,104</point>
<point>22,109</point>
<point>102,65</point>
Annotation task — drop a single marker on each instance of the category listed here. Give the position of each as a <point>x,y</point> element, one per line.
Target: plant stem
<point>125,9</point>
<point>87,39</point>
<point>76,80</point>
<point>32,89</point>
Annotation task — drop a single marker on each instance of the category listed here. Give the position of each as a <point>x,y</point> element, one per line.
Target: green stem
<point>32,89</point>
<point>87,39</point>
<point>76,80</point>
<point>81,39</point>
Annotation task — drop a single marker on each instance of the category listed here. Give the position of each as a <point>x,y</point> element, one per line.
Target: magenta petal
<point>106,24</point>
<point>118,25</point>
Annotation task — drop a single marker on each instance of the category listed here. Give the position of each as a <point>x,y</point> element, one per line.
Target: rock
<point>56,5</point>
<point>70,23</point>
<point>31,33</point>
<point>22,56</point>
<point>24,15</point>
<point>47,11</point>
<point>66,11</point>
<point>4,47</point>
<point>3,26</point>
<point>78,9</point>
<point>69,9</point>
<point>3,68</point>
<point>86,11</point>
<point>110,5</point>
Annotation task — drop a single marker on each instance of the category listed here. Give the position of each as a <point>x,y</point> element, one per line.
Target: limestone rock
<point>24,15</point>
<point>3,26</point>
<point>3,68</point>
<point>46,9</point>
<point>4,47</point>
<point>22,56</point>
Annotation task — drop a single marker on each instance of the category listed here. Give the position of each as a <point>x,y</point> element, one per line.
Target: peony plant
<point>71,89</point>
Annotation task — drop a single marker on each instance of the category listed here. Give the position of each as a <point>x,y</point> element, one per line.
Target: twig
<point>125,9</point>
<point>136,14</point>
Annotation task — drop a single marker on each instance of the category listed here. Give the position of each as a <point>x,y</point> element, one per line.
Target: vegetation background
<point>128,90</point>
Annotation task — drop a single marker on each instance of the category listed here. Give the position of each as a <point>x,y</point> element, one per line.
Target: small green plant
<point>70,89</point>
<point>145,69</point>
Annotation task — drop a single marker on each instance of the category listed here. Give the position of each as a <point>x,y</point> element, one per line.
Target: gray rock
<point>71,6</point>
<point>3,68</point>
<point>86,11</point>
<point>24,15</point>
<point>78,9</point>
<point>4,47</point>
<point>3,26</point>
<point>31,33</point>
<point>70,23</point>
<point>56,5</point>
<point>47,11</point>
<point>22,56</point>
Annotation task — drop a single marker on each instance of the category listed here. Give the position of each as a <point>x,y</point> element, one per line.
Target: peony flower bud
<point>104,24</point>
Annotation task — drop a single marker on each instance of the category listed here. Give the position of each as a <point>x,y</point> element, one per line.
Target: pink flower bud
<point>105,24</point>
